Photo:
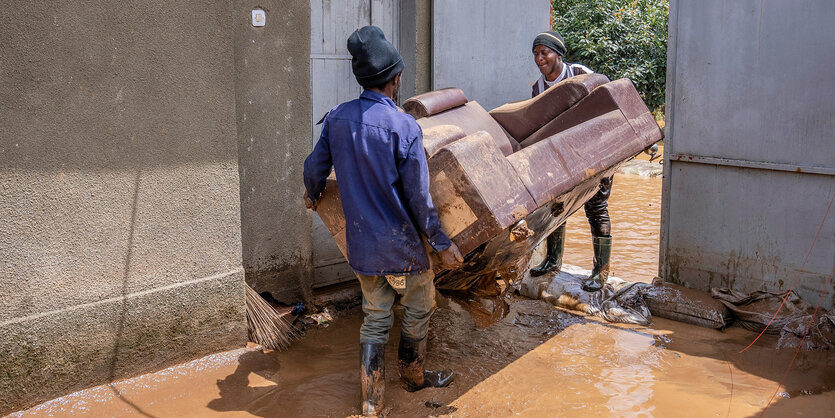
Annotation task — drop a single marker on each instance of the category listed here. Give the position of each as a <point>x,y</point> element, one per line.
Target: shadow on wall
<point>114,88</point>
<point>124,309</point>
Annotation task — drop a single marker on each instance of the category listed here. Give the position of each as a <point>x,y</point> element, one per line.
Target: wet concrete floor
<point>537,361</point>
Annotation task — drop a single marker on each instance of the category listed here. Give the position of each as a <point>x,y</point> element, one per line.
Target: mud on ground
<point>537,361</point>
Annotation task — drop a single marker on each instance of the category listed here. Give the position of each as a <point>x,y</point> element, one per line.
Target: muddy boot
<point>410,357</point>
<point>553,259</point>
<point>372,375</point>
<point>602,250</point>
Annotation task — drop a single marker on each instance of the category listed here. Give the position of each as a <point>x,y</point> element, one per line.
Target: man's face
<point>548,61</point>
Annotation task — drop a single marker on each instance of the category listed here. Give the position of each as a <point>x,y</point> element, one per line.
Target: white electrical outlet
<point>259,18</point>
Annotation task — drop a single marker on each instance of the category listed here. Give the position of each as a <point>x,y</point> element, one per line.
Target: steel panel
<point>749,152</point>
<point>483,47</point>
<point>755,80</point>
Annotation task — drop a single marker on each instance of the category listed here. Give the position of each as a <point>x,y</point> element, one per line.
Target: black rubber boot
<point>411,355</point>
<point>602,251</point>
<point>554,245</point>
<point>373,378</point>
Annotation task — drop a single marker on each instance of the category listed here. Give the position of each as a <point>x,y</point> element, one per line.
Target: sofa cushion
<point>541,170</point>
<point>595,145</point>
<point>523,118</point>
<point>471,118</point>
<point>617,95</point>
<point>559,163</point>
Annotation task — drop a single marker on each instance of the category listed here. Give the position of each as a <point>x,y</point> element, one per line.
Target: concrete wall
<point>272,92</point>
<point>750,157</point>
<point>120,246</point>
<point>423,46</point>
<point>484,47</point>
<point>416,47</point>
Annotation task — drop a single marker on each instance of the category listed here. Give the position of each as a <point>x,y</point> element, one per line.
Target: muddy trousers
<point>597,211</point>
<point>418,301</point>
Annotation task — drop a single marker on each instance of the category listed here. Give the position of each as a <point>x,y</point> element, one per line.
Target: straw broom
<point>265,325</point>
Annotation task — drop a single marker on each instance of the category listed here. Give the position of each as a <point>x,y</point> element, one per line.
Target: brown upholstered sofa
<point>503,180</point>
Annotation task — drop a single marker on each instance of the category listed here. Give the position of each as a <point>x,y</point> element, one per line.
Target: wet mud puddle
<point>635,212</point>
<point>536,360</point>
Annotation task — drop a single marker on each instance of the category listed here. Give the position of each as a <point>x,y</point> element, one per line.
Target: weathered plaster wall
<point>120,245</point>
<point>272,91</point>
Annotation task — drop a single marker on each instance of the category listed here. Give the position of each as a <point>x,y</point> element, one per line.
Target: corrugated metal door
<point>332,82</point>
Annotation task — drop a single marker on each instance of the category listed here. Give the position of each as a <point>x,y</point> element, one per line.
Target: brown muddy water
<point>537,361</point>
<point>635,211</point>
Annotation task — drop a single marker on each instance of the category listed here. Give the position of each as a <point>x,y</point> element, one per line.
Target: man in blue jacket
<point>377,153</point>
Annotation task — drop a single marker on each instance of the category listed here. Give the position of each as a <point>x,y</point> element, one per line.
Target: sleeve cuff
<point>439,242</point>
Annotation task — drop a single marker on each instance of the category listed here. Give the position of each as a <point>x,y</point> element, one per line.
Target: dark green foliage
<point>618,38</point>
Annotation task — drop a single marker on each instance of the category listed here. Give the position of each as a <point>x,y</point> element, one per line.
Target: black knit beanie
<point>374,59</point>
<point>552,40</point>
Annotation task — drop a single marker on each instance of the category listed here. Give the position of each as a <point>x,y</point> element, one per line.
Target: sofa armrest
<point>437,137</point>
<point>434,102</point>
<point>476,191</point>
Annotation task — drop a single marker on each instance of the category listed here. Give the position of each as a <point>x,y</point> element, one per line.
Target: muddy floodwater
<point>537,361</point>
<point>635,211</point>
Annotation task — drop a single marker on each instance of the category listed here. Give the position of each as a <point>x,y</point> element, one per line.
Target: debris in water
<point>671,301</point>
<point>619,301</point>
<point>298,309</point>
<point>323,318</point>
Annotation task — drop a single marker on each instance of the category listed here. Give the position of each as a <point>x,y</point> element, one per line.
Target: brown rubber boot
<point>373,378</point>
<point>411,355</point>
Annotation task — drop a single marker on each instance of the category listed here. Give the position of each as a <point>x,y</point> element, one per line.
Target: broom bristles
<point>265,325</point>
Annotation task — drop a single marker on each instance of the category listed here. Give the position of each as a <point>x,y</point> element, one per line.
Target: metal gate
<point>749,167</point>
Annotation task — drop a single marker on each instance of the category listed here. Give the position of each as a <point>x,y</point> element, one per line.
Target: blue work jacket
<point>377,152</point>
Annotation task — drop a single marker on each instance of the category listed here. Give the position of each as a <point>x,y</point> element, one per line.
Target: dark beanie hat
<point>374,59</point>
<point>552,40</point>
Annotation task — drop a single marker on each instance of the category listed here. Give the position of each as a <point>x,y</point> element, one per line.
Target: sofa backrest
<point>616,95</point>
<point>521,119</point>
